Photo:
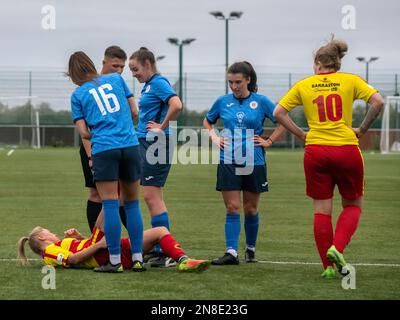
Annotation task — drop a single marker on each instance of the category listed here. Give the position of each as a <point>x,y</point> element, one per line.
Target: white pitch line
<point>10,152</point>
<point>392,265</point>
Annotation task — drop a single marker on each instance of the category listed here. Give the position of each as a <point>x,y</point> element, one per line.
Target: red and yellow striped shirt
<point>57,254</point>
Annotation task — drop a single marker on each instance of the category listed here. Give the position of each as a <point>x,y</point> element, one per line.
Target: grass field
<point>45,187</point>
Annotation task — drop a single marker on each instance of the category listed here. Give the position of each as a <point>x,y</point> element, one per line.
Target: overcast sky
<point>273,35</point>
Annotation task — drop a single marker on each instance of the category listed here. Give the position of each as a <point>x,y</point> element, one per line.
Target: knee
<point>250,209</point>
<point>233,207</point>
<point>94,195</point>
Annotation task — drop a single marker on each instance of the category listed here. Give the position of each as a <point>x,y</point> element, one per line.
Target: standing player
<point>331,156</point>
<point>243,113</point>
<point>158,105</point>
<point>100,103</point>
<point>114,61</point>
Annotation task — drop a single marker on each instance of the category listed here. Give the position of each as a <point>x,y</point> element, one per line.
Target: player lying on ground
<point>77,252</point>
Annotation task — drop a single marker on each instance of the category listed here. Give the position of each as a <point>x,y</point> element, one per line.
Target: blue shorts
<point>228,178</point>
<point>117,164</point>
<point>153,172</point>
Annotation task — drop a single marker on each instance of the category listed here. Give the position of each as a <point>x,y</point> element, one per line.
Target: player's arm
<point>218,141</point>
<point>87,253</point>
<point>73,233</point>
<point>376,103</point>
<point>266,141</point>
<point>132,105</point>
<point>174,107</point>
<point>83,129</point>
<point>282,116</point>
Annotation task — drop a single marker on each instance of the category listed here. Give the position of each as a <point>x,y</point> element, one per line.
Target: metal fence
<point>200,89</point>
<point>67,136</point>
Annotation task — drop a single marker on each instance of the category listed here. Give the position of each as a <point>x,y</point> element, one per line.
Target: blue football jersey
<point>242,119</point>
<point>103,104</point>
<point>153,103</point>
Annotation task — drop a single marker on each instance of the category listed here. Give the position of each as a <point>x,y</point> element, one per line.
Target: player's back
<point>328,106</point>
<point>103,104</point>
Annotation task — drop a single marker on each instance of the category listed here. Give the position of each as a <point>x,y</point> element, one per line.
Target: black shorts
<point>230,179</point>
<point>155,173</point>
<point>87,171</point>
<point>117,164</point>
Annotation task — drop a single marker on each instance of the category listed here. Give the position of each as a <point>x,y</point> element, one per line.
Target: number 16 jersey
<point>327,99</point>
<point>103,104</point>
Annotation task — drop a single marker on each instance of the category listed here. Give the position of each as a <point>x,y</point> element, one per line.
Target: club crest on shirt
<point>60,258</point>
<point>240,116</point>
<point>253,105</point>
<point>147,89</point>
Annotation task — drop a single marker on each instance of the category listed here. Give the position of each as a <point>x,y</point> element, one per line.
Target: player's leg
<point>350,180</point>
<point>171,248</point>
<point>106,167</point>
<point>108,191</point>
<point>320,186</point>
<point>253,185</point>
<point>129,182</point>
<point>251,223</point>
<point>153,179</point>
<point>232,228</point>
<point>94,205</point>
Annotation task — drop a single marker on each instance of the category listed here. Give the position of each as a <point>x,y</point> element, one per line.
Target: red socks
<point>171,248</point>
<point>346,226</point>
<point>323,235</point>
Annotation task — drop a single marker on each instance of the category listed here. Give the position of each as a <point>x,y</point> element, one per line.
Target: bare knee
<point>233,207</point>
<point>94,195</point>
<point>250,209</point>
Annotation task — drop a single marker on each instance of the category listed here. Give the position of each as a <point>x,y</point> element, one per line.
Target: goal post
<point>390,129</point>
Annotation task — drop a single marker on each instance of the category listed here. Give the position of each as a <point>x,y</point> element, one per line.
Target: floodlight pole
<point>234,15</point>
<point>226,51</point>
<point>367,62</point>
<point>180,71</point>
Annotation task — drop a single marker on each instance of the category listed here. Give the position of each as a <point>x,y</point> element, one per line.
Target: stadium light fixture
<point>234,15</point>
<point>367,62</point>
<point>218,14</point>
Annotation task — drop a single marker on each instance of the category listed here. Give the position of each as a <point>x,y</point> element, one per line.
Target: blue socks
<point>112,229</point>
<point>232,231</point>
<point>134,225</point>
<point>251,229</point>
<point>161,220</point>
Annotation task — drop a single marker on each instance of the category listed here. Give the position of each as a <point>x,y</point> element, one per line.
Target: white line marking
<point>10,152</point>
<point>392,265</point>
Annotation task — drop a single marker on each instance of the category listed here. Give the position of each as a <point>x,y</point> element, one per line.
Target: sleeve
<point>214,113</point>
<point>363,90</point>
<point>163,90</point>
<point>56,256</point>
<point>292,99</point>
<point>127,91</point>
<point>76,108</point>
<point>268,108</point>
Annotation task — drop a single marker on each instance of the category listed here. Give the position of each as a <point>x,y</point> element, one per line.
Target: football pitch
<point>45,187</point>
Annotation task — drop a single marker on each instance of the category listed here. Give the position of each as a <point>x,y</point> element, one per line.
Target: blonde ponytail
<point>21,251</point>
<point>34,244</point>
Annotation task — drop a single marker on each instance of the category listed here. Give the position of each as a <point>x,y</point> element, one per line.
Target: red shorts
<point>327,166</point>
<point>102,256</point>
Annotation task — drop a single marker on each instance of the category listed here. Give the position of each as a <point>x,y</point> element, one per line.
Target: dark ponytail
<point>248,72</point>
